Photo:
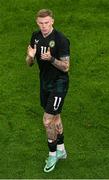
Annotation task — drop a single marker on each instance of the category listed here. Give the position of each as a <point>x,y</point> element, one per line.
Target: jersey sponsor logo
<point>52,44</point>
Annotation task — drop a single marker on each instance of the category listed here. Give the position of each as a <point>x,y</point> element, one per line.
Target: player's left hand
<point>46,56</point>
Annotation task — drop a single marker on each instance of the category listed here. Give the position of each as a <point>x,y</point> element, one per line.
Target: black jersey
<point>59,47</point>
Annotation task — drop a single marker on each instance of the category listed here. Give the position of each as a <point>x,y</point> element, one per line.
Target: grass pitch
<point>85,115</point>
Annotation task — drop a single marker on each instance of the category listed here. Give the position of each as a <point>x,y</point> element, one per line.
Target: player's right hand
<point>31,51</point>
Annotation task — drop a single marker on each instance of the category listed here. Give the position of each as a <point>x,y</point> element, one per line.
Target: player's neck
<point>45,35</point>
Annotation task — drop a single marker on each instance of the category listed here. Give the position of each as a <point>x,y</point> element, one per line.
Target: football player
<point>51,49</point>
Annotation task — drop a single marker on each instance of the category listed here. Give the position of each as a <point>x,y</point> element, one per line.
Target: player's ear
<point>37,22</point>
<point>52,21</point>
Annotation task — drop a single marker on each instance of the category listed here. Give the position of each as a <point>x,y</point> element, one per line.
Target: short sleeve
<point>32,41</point>
<point>64,47</point>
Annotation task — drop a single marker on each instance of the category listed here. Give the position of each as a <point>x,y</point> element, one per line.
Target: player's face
<point>45,24</point>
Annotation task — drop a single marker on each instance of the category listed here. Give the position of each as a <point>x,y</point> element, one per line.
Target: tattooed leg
<point>58,124</point>
<point>48,121</point>
<point>60,134</point>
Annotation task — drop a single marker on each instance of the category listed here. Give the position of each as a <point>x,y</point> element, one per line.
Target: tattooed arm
<point>62,64</point>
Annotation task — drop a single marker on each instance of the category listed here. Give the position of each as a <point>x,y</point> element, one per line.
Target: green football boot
<point>50,163</point>
<point>61,154</point>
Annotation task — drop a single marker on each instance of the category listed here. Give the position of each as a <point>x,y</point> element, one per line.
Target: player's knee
<point>47,119</point>
<point>47,122</point>
<point>57,117</point>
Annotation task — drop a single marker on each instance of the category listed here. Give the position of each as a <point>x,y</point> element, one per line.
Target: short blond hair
<point>44,13</point>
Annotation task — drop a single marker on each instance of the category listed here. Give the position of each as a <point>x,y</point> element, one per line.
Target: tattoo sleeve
<point>51,131</point>
<point>62,64</point>
<point>59,128</point>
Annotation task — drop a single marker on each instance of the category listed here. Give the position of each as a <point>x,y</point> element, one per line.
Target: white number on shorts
<point>57,102</point>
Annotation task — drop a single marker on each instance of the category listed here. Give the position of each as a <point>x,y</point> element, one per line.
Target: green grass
<point>85,114</point>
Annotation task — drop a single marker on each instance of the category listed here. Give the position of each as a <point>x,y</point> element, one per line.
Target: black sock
<point>52,145</point>
<point>60,138</point>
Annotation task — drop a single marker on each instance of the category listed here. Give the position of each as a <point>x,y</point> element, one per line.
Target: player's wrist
<point>52,59</point>
<point>31,57</point>
<point>29,60</point>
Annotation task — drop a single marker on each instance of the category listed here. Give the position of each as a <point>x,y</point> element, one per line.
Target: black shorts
<point>52,102</point>
<point>52,94</point>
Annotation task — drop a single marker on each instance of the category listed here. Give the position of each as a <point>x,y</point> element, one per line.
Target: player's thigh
<point>47,119</point>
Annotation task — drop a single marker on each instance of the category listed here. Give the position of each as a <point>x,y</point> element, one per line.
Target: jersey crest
<point>52,43</point>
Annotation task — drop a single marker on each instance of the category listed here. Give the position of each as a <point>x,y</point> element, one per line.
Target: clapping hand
<point>31,51</point>
<point>46,56</point>
<point>30,55</point>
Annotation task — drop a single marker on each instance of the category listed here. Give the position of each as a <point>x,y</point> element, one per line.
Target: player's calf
<point>48,121</point>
